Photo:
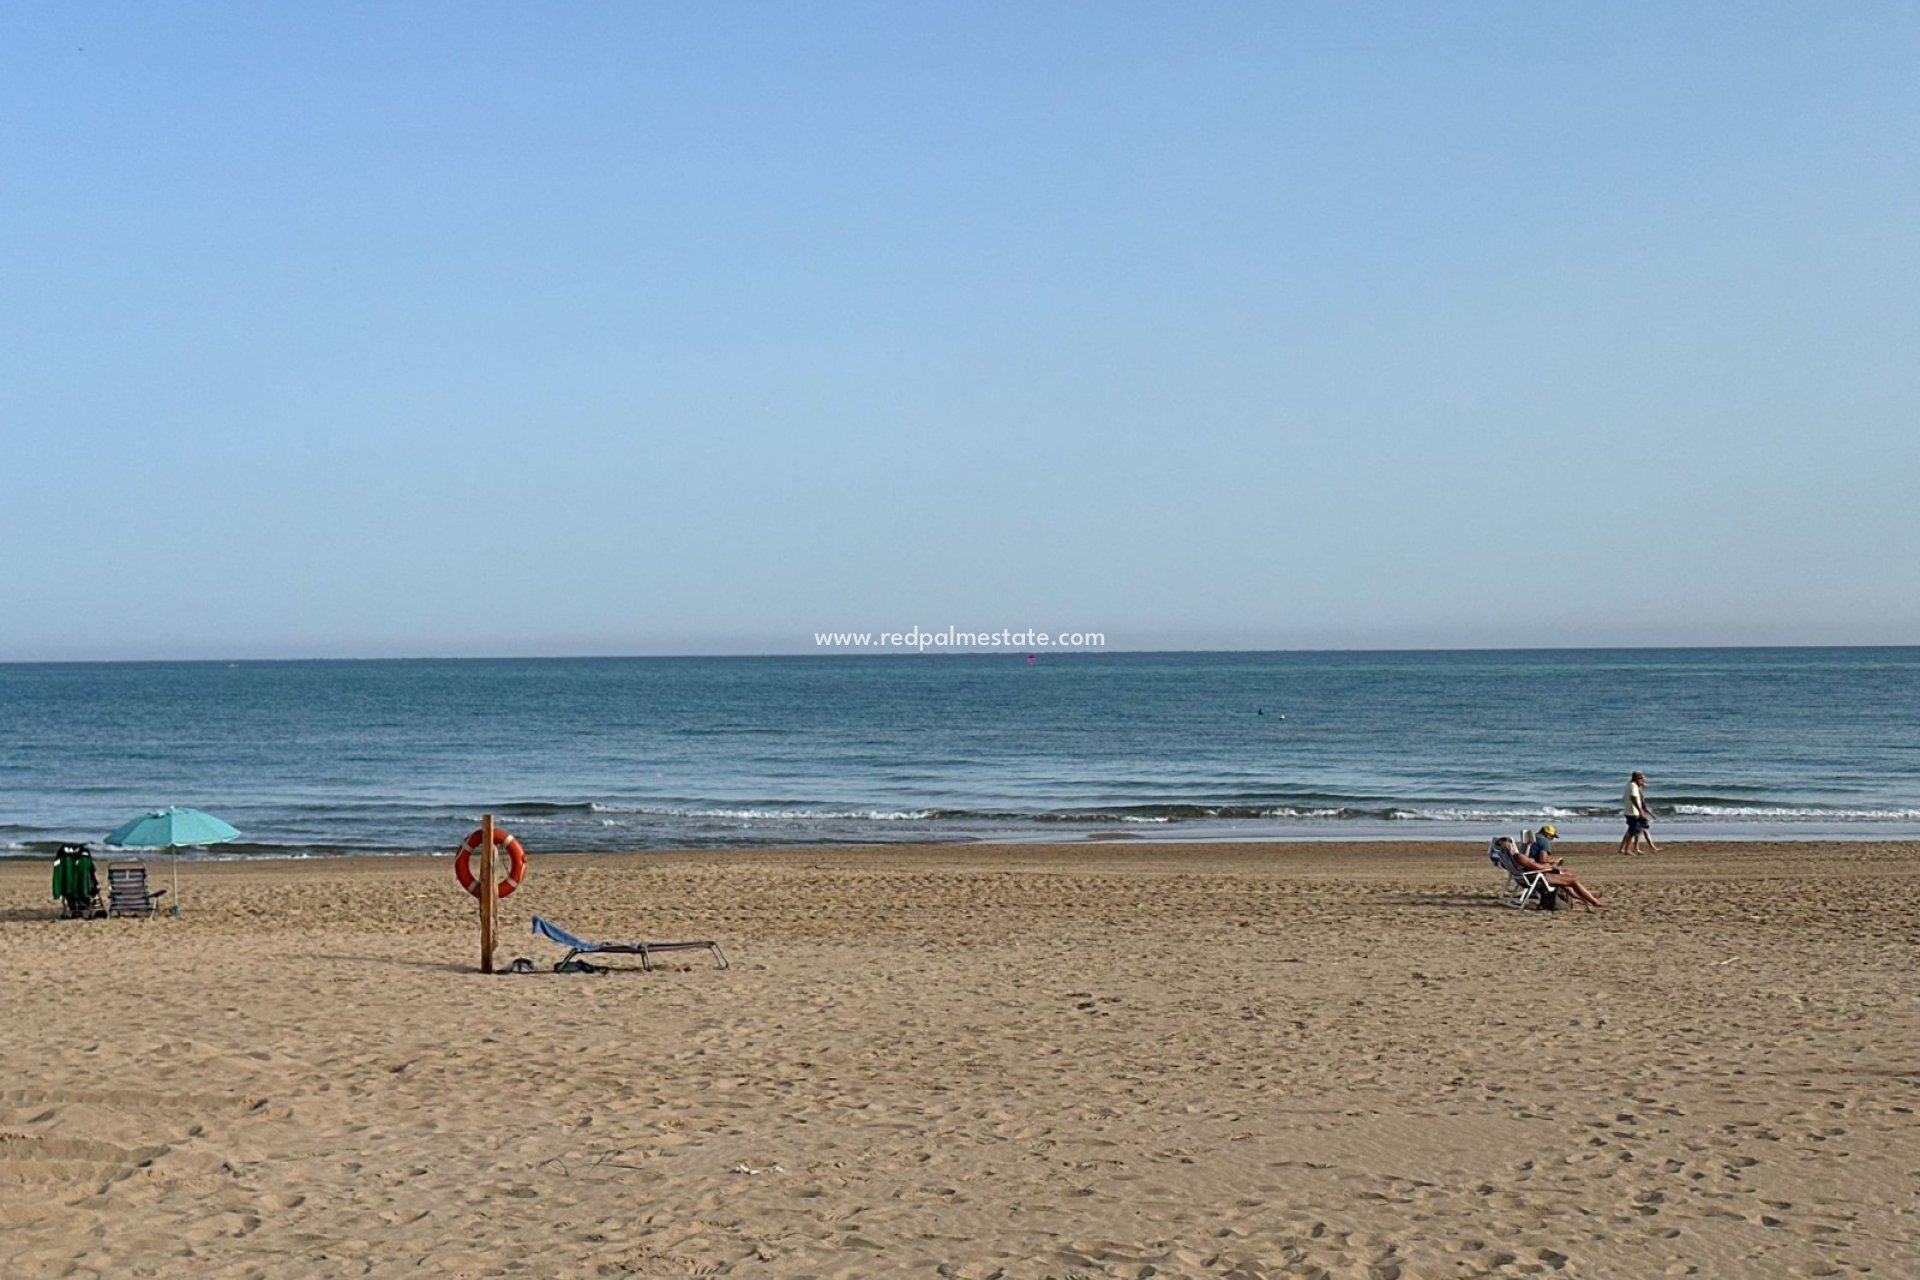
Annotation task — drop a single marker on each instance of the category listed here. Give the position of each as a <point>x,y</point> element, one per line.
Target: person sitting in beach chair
<point>1537,859</point>
<point>76,883</point>
<point>1522,888</point>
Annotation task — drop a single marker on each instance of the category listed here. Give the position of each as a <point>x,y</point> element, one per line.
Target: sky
<point>444,329</point>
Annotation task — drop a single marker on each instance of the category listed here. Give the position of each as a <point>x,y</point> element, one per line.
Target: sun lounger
<point>645,950</point>
<point>127,892</point>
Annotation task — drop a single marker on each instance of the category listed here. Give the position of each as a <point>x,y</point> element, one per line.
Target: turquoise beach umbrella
<point>169,829</point>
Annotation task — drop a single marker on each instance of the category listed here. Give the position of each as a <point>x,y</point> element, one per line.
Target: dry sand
<point>1087,1060</point>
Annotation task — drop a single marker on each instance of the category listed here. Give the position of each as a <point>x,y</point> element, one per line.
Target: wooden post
<point>488,889</point>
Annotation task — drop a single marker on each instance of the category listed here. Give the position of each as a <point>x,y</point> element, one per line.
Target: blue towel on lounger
<point>547,929</point>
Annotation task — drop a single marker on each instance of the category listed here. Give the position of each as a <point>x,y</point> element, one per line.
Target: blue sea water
<point>332,757</point>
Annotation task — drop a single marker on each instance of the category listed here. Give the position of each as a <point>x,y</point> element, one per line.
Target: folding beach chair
<point>127,892</point>
<point>645,950</point>
<point>1522,888</point>
<point>76,883</point>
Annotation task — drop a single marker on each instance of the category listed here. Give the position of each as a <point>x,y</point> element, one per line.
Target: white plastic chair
<point>1522,888</point>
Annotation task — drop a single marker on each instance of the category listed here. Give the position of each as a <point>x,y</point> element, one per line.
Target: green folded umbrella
<point>73,874</point>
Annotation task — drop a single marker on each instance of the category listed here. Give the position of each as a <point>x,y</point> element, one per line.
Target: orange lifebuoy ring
<point>516,862</point>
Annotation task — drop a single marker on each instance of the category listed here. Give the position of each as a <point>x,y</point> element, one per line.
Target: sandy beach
<point>1100,1059</point>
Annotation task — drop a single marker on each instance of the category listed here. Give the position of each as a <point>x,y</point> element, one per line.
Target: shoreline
<point>1721,838</point>
<point>1267,857</point>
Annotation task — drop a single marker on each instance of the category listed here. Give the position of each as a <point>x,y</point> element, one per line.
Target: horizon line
<point>835,653</point>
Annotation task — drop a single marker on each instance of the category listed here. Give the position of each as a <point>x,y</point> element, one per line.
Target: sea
<point>322,758</point>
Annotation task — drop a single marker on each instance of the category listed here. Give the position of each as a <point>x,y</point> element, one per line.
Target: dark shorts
<point>1636,825</point>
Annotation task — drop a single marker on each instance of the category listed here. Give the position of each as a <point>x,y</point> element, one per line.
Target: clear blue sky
<point>436,328</point>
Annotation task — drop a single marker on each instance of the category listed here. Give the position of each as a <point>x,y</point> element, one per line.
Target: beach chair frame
<point>1522,888</point>
<point>127,892</point>
<point>577,946</point>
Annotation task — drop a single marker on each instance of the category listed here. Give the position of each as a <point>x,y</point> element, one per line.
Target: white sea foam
<point>763,814</point>
<point>774,815</point>
<point>1814,813</point>
<point>1543,812</point>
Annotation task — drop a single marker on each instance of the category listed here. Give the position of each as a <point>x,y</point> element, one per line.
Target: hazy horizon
<point>1011,654</point>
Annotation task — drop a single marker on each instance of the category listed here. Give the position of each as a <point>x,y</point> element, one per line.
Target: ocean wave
<point>542,808</point>
<point>1543,813</point>
<point>755,813</point>
<point>1166,812</point>
<point>1788,812</point>
<point>1183,812</point>
<point>808,815</point>
<point>727,731</point>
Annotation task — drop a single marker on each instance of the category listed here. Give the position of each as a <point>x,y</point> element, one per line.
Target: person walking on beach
<point>1639,817</point>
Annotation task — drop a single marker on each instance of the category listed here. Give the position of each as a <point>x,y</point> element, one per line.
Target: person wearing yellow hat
<point>1535,857</point>
<point>1541,847</point>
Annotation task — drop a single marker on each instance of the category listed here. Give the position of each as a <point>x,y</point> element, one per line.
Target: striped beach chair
<point>127,892</point>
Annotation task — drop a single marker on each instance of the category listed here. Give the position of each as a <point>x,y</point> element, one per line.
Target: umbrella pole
<point>174,910</point>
